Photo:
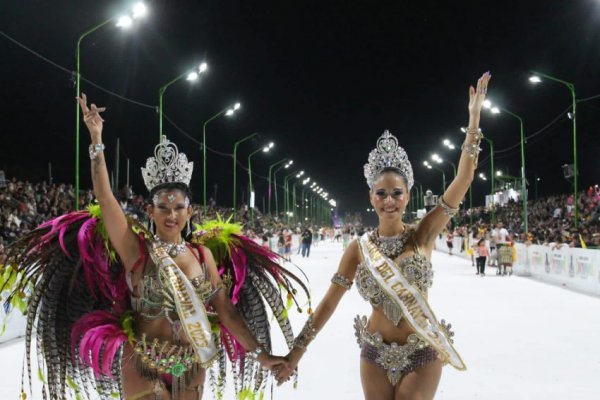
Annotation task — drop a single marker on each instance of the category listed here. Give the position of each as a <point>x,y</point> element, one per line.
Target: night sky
<point>321,79</point>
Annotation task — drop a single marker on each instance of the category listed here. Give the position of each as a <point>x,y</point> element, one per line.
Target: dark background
<point>320,79</point>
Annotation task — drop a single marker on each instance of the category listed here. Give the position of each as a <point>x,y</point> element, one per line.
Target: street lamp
<point>286,166</point>
<point>536,79</point>
<point>138,11</point>
<point>269,180</point>
<point>496,110</point>
<point>429,166</point>
<point>228,112</point>
<point>190,76</point>
<point>298,174</point>
<point>264,149</point>
<point>235,146</point>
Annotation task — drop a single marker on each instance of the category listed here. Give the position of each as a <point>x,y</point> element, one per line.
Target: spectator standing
<point>482,253</point>
<point>306,242</point>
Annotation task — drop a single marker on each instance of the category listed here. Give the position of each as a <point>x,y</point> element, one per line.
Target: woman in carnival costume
<point>137,312</point>
<point>403,346</point>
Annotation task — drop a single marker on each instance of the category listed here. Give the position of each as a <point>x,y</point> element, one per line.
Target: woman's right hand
<point>92,118</point>
<point>293,359</point>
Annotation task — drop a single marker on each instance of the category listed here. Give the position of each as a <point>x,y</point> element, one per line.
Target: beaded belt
<point>158,357</point>
<point>397,360</point>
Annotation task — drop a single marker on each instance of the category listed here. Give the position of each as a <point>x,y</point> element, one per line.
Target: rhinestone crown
<point>167,166</point>
<point>388,154</point>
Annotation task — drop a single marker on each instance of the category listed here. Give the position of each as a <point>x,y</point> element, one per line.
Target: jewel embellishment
<point>172,249</point>
<point>388,154</point>
<point>167,166</point>
<point>391,247</point>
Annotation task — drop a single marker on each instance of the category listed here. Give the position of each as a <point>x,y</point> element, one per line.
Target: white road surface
<point>520,339</point>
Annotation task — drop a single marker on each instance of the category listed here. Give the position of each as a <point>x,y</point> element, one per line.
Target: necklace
<point>173,249</point>
<point>390,246</point>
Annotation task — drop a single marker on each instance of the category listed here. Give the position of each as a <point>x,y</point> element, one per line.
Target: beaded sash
<point>190,309</point>
<point>415,309</point>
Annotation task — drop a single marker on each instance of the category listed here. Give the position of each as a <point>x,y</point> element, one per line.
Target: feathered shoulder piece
<point>69,277</point>
<point>254,276</point>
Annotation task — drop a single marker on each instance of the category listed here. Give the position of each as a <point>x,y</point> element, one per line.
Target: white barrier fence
<point>572,268</point>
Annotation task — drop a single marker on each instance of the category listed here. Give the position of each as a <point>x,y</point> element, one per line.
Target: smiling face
<point>389,196</point>
<point>170,211</point>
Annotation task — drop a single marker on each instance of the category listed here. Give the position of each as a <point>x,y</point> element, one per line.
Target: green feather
<point>95,211</point>
<point>217,236</point>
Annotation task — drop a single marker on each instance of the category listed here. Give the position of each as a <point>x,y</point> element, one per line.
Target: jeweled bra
<point>416,268</point>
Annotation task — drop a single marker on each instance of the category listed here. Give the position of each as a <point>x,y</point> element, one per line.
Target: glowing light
<point>124,22</point>
<point>535,79</point>
<point>192,76</point>
<point>139,10</point>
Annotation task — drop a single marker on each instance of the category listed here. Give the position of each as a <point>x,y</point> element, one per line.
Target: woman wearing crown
<point>403,346</point>
<point>138,312</point>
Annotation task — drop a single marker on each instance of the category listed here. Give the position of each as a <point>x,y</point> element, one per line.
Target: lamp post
<point>287,193</point>
<point>419,193</point>
<point>269,181</point>
<point>496,110</point>
<point>228,112</point>
<point>190,76</point>
<point>286,166</point>
<point>429,166</point>
<point>235,146</point>
<point>264,149</point>
<point>138,11</point>
<point>571,87</point>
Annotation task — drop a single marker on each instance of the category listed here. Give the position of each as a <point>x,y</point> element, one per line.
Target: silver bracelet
<point>96,149</point>
<point>449,211</point>
<point>254,354</point>
<point>472,149</point>
<point>342,281</point>
<point>476,132</point>
<point>307,335</point>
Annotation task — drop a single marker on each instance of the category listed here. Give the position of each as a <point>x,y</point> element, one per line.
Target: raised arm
<point>121,237</point>
<point>435,221</point>
<point>326,307</point>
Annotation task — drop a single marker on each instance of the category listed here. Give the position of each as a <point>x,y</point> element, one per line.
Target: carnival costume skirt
<point>396,359</point>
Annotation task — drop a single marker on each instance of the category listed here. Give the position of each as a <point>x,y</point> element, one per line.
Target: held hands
<point>477,96</point>
<point>283,375</point>
<point>92,118</point>
<point>277,365</point>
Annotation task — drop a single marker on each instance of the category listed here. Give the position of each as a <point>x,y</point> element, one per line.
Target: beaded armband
<point>472,148</point>
<point>342,281</point>
<point>449,211</point>
<point>307,334</point>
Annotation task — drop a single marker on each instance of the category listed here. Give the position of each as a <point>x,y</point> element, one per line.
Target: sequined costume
<point>398,359</point>
<point>84,313</point>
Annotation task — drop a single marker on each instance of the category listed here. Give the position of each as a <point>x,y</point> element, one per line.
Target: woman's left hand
<point>477,95</point>
<point>274,363</point>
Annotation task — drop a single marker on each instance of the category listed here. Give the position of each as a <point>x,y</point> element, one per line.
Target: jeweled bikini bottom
<point>396,359</point>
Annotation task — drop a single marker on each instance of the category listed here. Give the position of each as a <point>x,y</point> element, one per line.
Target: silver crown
<point>388,154</point>
<point>167,166</point>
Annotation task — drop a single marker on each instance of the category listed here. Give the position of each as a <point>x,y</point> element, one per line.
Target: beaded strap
<point>449,211</point>
<point>342,281</point>
<point>307,335</point>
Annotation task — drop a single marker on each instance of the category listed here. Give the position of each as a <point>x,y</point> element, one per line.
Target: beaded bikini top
<point>416,268</point>
<point>155,297</point>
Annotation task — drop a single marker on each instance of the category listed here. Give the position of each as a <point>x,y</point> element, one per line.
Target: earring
<point>189,229</point>
<point>152,226</point>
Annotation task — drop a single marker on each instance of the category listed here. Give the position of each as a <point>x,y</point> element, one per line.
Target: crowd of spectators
<point>24,205</point>
<point>550,219</point>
